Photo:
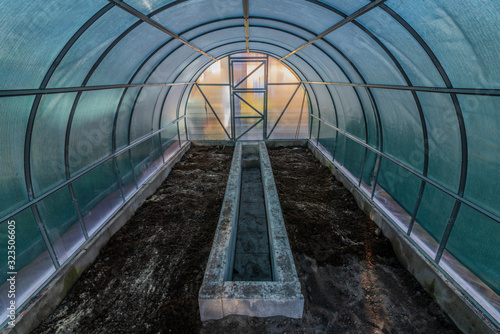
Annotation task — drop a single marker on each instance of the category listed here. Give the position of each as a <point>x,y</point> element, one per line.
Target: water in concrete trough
<point>252,260</point>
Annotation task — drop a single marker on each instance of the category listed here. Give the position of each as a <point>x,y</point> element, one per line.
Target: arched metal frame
<point>69,178</point>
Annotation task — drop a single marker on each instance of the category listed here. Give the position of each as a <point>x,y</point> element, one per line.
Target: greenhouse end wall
<point>402,96</point>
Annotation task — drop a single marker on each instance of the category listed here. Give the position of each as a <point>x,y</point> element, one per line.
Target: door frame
<point>235,90</point>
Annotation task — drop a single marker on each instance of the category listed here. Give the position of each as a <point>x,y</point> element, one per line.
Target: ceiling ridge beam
<point>126,7</point>
<point>247,24</point>
<point>363,10</point>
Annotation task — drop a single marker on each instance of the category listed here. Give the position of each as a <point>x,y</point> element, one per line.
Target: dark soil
<point>147,278</point>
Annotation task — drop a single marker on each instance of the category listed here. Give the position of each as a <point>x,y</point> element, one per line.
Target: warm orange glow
<point>267,105</point>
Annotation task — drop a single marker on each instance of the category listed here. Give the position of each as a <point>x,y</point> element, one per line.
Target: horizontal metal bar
<point>247,116</point>
<point>213,84</point>
<point>444,90</point>
<point>89,169</point>
<point>247,59</point>
<point>250,128</point>
<point>363,10</point>
<point>249,90</point>
<point>46,91</point>
<point>126,7</point>
<point>412,171</point>
<point>247,103</point>
<point>284,84</point>
<point>249,75</point>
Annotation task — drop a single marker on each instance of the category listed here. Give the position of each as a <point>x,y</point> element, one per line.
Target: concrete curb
<point>218,295</point>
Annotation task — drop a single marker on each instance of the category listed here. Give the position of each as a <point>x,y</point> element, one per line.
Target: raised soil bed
<point>147,278</point>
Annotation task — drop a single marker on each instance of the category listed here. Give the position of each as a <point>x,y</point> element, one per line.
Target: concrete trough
<point>220,295</point>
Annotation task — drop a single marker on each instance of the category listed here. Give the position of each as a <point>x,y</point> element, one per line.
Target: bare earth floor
<point>147,278</point>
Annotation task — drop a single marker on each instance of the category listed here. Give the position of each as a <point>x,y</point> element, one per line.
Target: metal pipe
<point>87,170</point>
<point>363,10</point>
<point>443,90</point>
<point>126,7</point>
<point>415,173</point>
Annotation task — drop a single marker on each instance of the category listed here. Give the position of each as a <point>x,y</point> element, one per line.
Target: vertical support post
<point>266,81</point>
<point>377,171</point>
<point>231,98</point>
<point>45,237</point>
<point>120,183</point>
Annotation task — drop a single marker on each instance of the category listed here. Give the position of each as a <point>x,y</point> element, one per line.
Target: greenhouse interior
<point>399,99</point>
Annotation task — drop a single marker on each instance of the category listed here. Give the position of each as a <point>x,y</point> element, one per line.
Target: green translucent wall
<point>410,113</point>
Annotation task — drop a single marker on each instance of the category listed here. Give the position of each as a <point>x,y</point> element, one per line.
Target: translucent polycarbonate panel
<point>371,60</point>
<point>33,34</point>
<point>343,62</point>
<point>184,101</point>
<point>147,158</point>
<point>249,129</point>
<point>347,7</point>
<point>186,14</point>
<point>202,120</point>
<point>460,35</point>
<point>82,56</point>
<point>410,54</point>
<point>120,64</point>
<point>157,56</point>
<point>249,104</point>
<point>371,118</point>
<point>123,116</point>
<point>91,129</point>
<point>327,138</point>
<point>293,121</point>
<point>482,123</point>
<point>182,132</point>
<point>14,113</point>
<point>248,75</point>
<point>170,141</point>
<point>325,105</point>
<point>98,195</point>
<point>401,126</point>
<point>313,100</point>
<point>369,168</point>
<point>314,18</point>
<point>167,71</point>
<point>402,186</point>
<point>172,104</point>
<point>218,73</point>
<point>474,242</point>
<point>278,73</point>
<point>351,115</point>
<point>211,40</point>
<point>314,130</point>
<point>124,166</point>
<point>298,65</point>
<point>148,6</point>
<point>280,38</point>
<point>59,217</point>
<point>350,154</point>
<point>32,261</point>
<point>444,139</point>
<point>248,54</point>
<point>142,121</point>
<point>299,32</point>
<point>47,141</point>
<point>159,108</point>
<point>433,214</point>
